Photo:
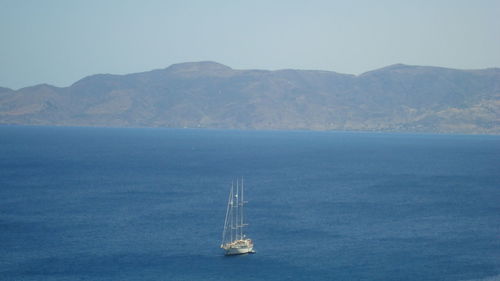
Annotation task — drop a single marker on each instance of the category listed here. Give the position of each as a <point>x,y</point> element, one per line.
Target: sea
<point>149,204</point>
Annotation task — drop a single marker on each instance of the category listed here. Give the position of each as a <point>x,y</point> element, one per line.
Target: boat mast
<point>232,213</point>
<point>242,202</point>
<point>225,220</point>
<point>236,218</point>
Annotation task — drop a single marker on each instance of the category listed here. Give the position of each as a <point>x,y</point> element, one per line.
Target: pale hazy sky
<point>61,41</point>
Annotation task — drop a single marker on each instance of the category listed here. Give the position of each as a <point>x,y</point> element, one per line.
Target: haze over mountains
<point>210,95</point>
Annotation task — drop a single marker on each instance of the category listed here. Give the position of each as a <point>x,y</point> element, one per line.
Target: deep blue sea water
<point>149,204</point>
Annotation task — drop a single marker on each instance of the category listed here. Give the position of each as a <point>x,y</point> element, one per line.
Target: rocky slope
<point>210,95</point>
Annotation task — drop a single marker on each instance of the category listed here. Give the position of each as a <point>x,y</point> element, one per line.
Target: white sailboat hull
<point>238,251</point>
<point>238,247</point>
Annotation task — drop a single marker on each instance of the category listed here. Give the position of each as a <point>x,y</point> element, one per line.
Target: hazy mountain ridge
<point>211,95</point>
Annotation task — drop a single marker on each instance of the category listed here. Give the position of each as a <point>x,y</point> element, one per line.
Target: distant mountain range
<point>399,98</point>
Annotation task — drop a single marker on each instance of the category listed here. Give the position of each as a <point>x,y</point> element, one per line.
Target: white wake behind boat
<point>234,241</point>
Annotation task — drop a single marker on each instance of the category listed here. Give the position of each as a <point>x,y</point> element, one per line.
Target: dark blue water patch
<point>123,266</point>
<point>149,204</point>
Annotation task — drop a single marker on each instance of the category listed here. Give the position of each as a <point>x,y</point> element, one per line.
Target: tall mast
<point>226,220</point>
<point>242,203</point>
<point>237,206</point>
<point>231,216</point>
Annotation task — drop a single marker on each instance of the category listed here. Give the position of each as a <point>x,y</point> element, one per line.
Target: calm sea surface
<point>149,204</point>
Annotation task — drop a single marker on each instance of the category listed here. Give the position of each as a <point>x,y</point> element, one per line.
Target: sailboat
<point>234,241</point>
